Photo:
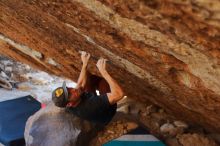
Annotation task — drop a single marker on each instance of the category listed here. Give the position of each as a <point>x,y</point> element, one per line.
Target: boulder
<point>195,140</point>
<point>5,83</point>
<point>180,124</point>
<point>53,126</point>
<point>169,129</point>
<point>161,51</point>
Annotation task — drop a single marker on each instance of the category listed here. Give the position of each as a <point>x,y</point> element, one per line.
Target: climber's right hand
<point>101,65</point>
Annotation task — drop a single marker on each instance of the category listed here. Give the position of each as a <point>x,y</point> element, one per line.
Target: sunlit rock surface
<point>162,51</point>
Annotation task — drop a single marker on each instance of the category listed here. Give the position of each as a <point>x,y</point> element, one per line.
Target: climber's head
<point>74,96</point>
<point>64,96</point>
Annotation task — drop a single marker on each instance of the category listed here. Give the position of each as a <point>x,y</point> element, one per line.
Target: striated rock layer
<point>162,51</point>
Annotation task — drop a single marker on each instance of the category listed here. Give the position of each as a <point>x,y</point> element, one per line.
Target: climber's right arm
<point>116,93</point>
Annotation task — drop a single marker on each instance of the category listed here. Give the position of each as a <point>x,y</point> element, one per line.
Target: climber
<point>83,100</point>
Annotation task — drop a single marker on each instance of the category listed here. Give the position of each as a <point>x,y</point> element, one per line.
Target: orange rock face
<point>162,51</point>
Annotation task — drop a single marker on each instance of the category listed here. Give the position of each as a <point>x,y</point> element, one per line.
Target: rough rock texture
<point>195,140</point>
<point>163,51</point>
<point>53,126</point>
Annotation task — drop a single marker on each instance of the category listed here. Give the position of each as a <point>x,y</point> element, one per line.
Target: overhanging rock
<point>166,52</point>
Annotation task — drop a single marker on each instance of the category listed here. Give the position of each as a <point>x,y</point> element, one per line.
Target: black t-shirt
<point>94,108</point>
